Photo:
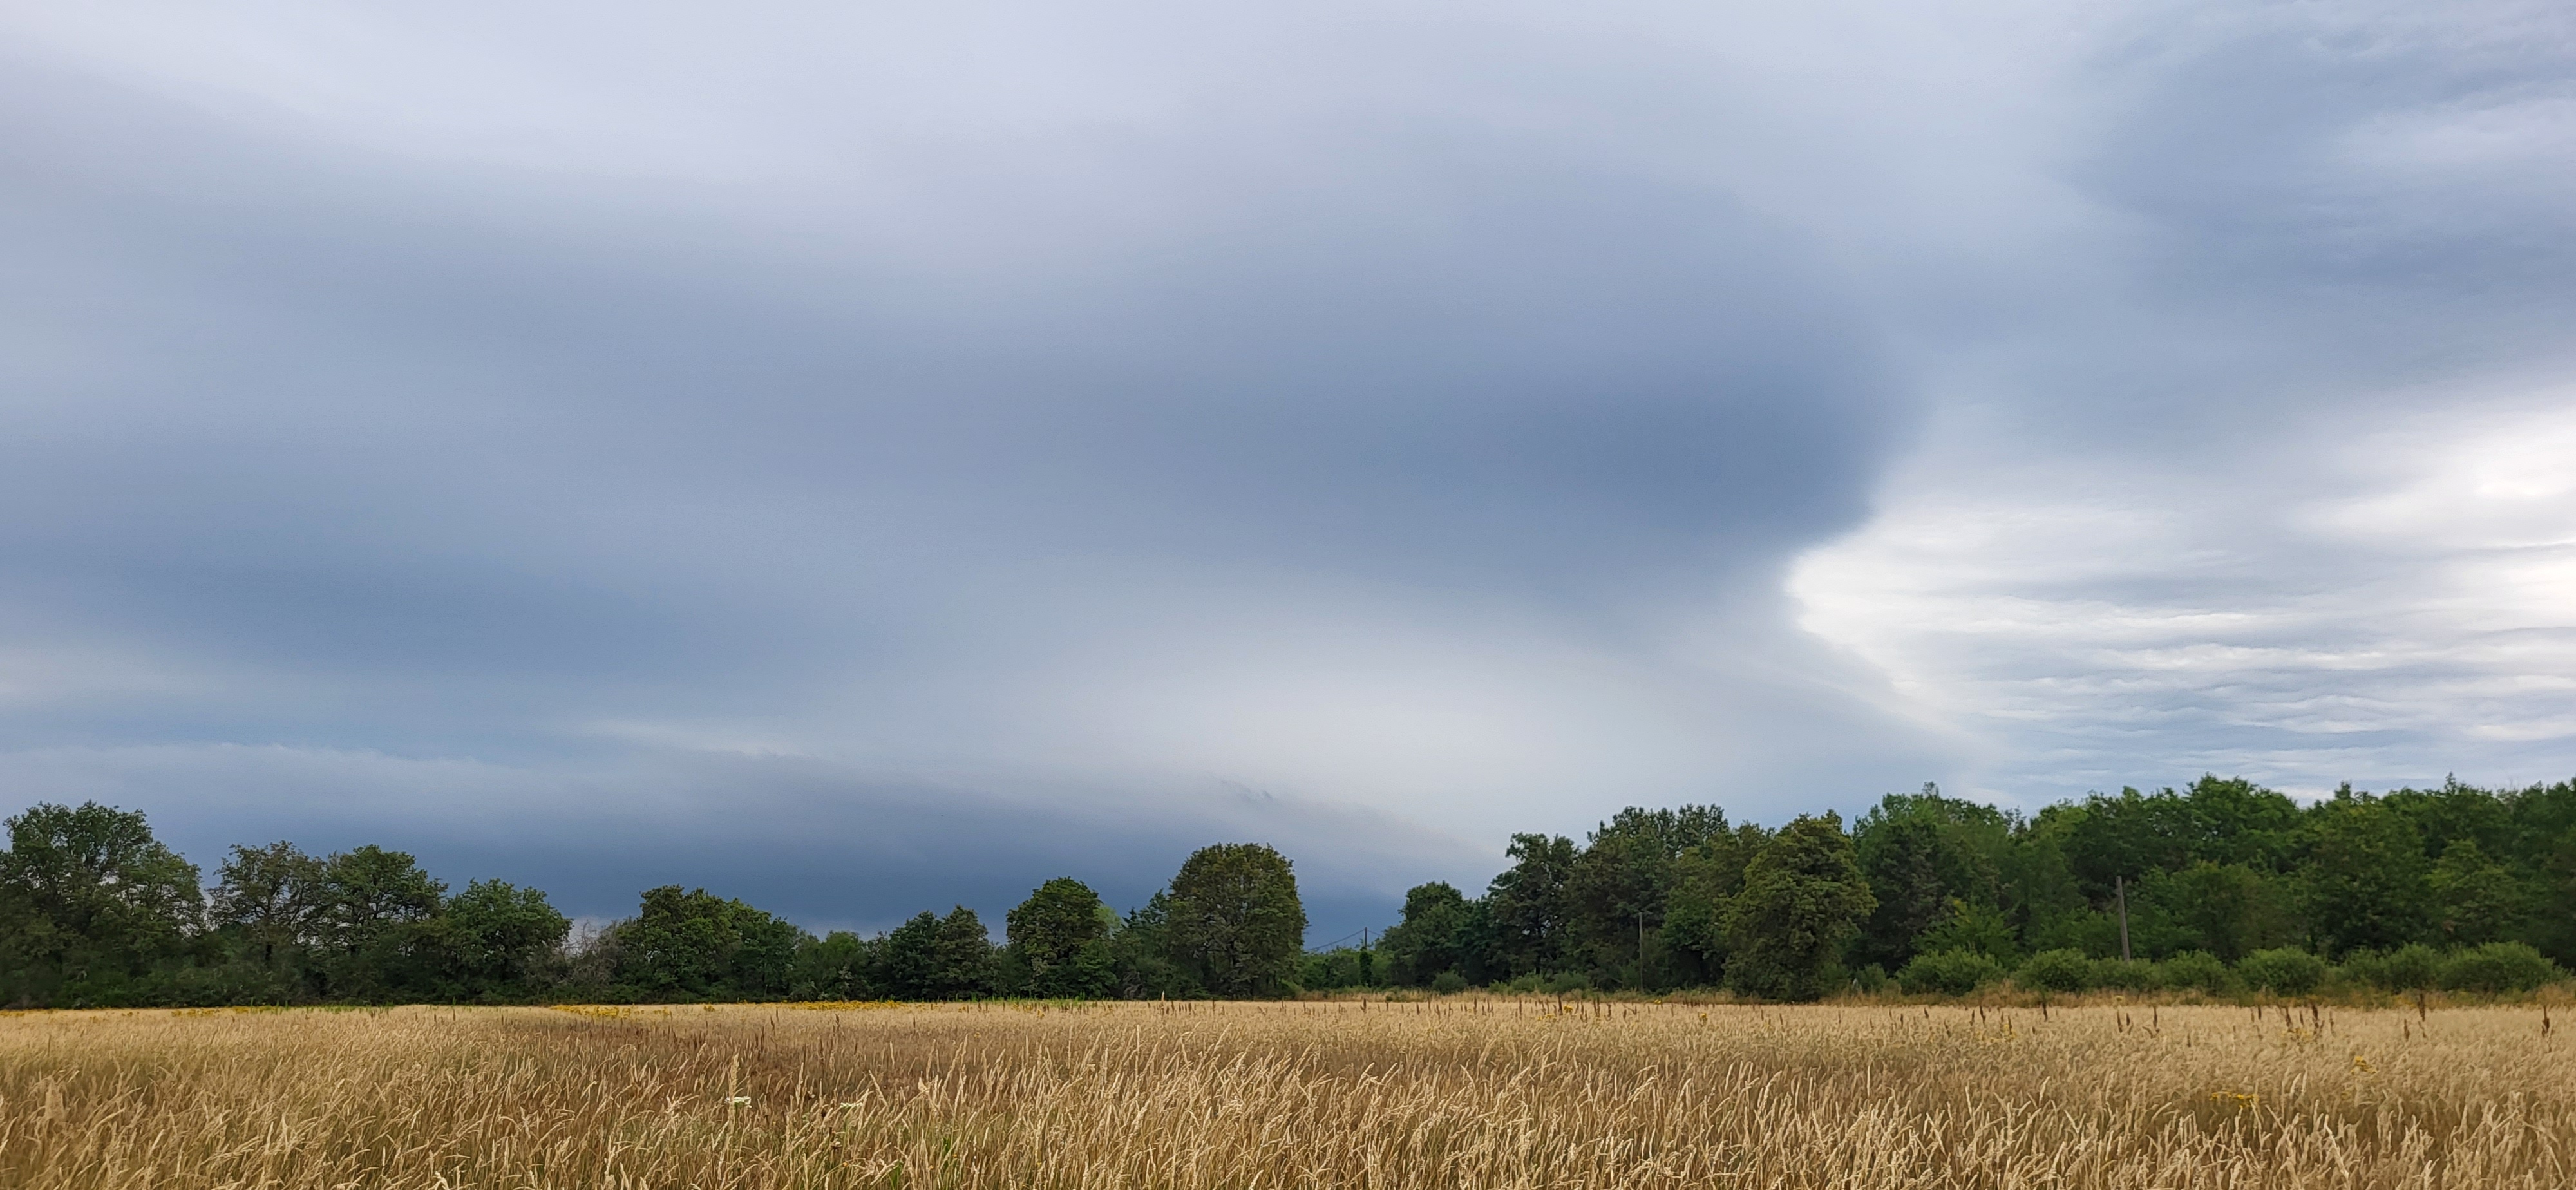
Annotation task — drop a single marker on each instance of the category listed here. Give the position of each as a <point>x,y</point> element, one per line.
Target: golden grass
<point>1453,1093</point>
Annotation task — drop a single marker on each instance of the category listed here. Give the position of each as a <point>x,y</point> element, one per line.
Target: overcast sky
<point>868,458</point>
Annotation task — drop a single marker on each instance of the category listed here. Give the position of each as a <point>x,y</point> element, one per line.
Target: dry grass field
<point>1454,1093</point>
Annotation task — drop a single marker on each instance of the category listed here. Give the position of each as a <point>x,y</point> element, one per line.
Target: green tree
<point>1616,888</point>
<point>1235,921</point>
<point>2235,821</point>
<point>90,905</point>
<point>937,958</point>
<point>1059,940</point>
<point>908,961</point>
<point>1141,952</point>
<point>494,936</point>
<point>372,921</point>
<point>1921,854</point>
<point>2475,899</point>
<point>2109,840</point>
<point>1431,938</point>
<point>2364,871</point>
<point>268,897</point>
<point>2230,910</point>
<point>1704,882</point>
<point>833,967</point>
<point>1528,904</point>
<point>965,955</point>
<point>1803,898</point>
<point>693,945</point>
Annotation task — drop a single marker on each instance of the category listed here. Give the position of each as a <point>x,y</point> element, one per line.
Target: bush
<point>1570,981</point>
<point>2056,971</point>
<point>2196,969</point>
<point>2412,967</point>
<point>2408,968</point>
<point>2126,976</point>
<point>2363,966</point>
<point>1951,972</point>
<point>2285,970</point>
<point>1448,982</point>
<point>2497,967</point>
<point>1872,978</point>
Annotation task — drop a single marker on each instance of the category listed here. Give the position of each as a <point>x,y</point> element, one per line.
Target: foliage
<point>1528,905</point>
<point>1432,940</point>
<point>91,905</point>
<point>2415,888</point>
<point>1949,972</point>
<point>2498,967</point>
<point>1235,922</point>
<point>1059,941</point>
<point>2196,970</point>
<point>693,945</point>
<point>2063,970</point>
<point>2285,970</point>
<point>1803,898</point>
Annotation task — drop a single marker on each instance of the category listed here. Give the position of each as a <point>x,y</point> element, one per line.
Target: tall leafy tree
<point>1617,886</point>
<point>2235,821</point>
<point>1927,858</point>
<point>1059,940</point>
<point>1803,898</point>
<point>2230,910</point>
<point>936,958</point>
<point>2475,900</point>
<point>2115,840</point>
<point>269,898</point>
<point>2365,875</point>
<point>965,966</point>
<point>837,966</point>
<point>1235,921</point>
<point>1704,882</point>
<point>494,936</point>
<point>1432,937</point>
<point>693,945</point>
<point>90,904</point>
<point>372,922</point>
<point>1529,904</point>
<point>1142,953</point>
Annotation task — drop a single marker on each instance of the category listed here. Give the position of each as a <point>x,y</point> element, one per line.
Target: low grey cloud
<point>871,461</point>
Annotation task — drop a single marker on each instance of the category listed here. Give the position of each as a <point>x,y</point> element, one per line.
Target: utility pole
<point>2120,890</point>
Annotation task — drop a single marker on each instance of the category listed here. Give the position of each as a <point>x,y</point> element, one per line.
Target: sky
<point>872,458</point>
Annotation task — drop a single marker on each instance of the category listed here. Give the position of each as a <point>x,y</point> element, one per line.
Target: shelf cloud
<point>867,460</point>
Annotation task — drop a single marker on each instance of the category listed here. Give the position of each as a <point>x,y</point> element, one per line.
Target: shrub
<point>2056,971</point>
<point>2196,969</point>
<point>2411,968</point>
<point>2363,966</point>
<point>1872,978</point>
<point>2497,967</point>
<point>2284,970</point>
<point>1570,981</point>
<point>1952,972</point>
<point>2126,976</point>
<point>1448,982</point>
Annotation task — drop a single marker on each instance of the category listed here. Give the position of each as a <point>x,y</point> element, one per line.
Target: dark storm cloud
<point>517,517</point>
<point>875,460</point>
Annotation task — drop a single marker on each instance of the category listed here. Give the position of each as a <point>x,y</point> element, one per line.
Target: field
<point>1461,1092</point>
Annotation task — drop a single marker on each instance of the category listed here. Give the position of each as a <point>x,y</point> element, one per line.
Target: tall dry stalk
<point>1456,1093</point>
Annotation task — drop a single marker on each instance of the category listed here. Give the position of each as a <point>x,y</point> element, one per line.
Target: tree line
<point>2219,887</point>
<point>96,912</point>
